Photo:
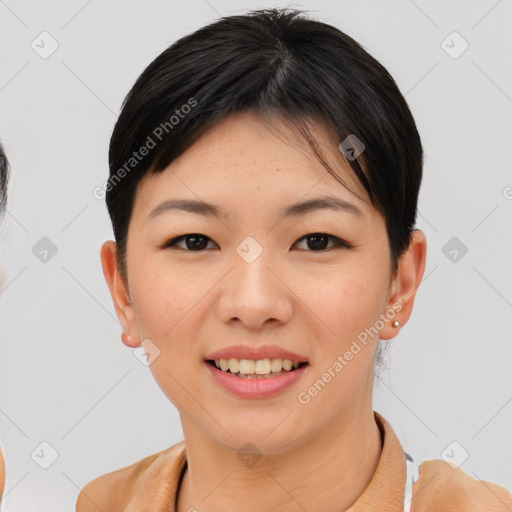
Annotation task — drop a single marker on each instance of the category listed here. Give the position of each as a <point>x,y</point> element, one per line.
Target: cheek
<point>170,306</point>
<point>348,307</point>
<point>165,309</point>
<point>346,303</point>
<point>162,302</point>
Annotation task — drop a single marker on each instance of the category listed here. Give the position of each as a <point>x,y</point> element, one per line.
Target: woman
<point>238,150</point>
<point>4,174</point>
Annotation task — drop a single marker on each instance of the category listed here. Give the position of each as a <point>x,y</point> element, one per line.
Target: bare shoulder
<point>441,487</point>
<point>113,491</point>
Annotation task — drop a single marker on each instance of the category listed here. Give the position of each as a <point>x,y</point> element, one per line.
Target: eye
<point>193,242</point>
<point>196,242</point>
<point>317,241</point>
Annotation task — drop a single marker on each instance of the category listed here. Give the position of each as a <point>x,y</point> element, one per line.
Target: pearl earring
<point>396,324</point>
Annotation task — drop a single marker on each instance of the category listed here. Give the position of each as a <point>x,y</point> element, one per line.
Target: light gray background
<point>65,376</point>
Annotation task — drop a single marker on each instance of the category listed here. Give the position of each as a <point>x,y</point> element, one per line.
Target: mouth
<point>256,368</point>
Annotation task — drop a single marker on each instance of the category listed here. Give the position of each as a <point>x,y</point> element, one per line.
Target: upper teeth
<point>258,367</point>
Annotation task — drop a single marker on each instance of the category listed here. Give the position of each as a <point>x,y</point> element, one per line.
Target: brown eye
<point>193,242</point>
<point>318,241</point>
<point>315,242</point>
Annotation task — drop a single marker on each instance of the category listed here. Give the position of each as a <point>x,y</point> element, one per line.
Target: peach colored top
<point>151,485</point>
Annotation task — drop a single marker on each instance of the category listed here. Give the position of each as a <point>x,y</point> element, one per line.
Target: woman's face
<point>254,279</point>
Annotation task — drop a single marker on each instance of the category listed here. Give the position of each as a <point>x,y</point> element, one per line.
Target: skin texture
<point>190,303</point>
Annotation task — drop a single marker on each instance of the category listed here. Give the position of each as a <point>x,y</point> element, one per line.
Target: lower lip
<point>255,388</point>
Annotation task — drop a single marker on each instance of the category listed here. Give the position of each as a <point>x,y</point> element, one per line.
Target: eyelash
<point>340,243</point>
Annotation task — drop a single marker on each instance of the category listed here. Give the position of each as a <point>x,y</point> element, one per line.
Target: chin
<point>270,438</point>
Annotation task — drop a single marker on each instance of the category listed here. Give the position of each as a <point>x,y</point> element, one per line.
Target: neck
<point>337,466</point>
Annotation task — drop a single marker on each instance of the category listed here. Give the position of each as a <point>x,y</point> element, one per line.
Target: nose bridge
<point>251,267</point>
<point>250,250</point>
<point>254,293</point>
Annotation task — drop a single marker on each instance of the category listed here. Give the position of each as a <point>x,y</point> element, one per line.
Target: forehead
<point>245,156</point>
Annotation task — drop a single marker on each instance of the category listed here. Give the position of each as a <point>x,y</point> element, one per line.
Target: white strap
<point>412,473</point>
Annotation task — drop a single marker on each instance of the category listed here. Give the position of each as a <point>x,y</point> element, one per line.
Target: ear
<point>120,294</point>
<point>406,282</point>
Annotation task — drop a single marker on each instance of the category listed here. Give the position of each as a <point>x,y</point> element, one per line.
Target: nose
<point>255,293</point>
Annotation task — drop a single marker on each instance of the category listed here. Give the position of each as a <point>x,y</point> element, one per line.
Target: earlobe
<point>411,268</point>
<point>119,294</point>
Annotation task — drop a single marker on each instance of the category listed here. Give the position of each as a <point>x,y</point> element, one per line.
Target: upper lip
<point>261,352</point>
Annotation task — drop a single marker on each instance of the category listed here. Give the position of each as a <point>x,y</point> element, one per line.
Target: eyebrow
<point>293,210</point>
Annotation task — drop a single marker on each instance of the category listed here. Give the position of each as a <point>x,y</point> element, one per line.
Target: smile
<point>255,378</point>
<point>256,369</point>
